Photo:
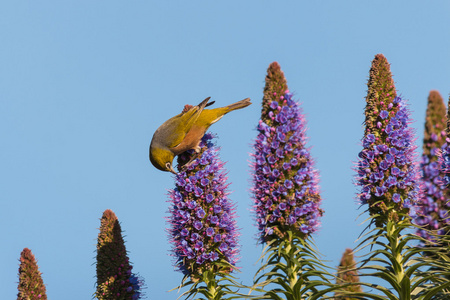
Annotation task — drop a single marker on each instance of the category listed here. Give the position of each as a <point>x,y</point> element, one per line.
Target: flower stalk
<point>285,191</point>
<point>31,286</point>
<point>444,160</point>
<point>387,172</point>
<point>286,196</point>
<point>115,279</point>
<point>202,224</point>
<point>347,276</point>
<point>389,184</point>
<point>433,207</point>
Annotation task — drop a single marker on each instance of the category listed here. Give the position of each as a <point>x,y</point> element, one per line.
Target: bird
<point>184,131</point>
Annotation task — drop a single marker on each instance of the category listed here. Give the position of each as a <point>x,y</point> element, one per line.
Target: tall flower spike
<point>31,286</point>
<point>445,156</point>
<point>286,193</point>
<point>115,279</point>
<point>347,274</point>
<point>387,173</point>
<point>433,206</point>
<point>202,217</point>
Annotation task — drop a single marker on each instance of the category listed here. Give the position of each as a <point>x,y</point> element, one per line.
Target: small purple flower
<point>217,238</point>
<point>378,176</point>
<point>396,198</point>
<point>384,165</point>
<point>198,245</point>
<point>217,209</point>
<point>204,181</point>
<point>304,228</point>
<point>379,191</point>
<point>198,225</point>
<point>198,191</point>
<point>288,184</point>
<point>280,153</point>
<point>271,159</point>
<point>210,231</point>
<point>214,219</point>
<point>369,140</point>
<point>194,236</point>
<point>391,181</point>
<point>223,247</point>
<point>275,173</point>
<point>209,198</point>
<point>214,256</point>
<point>395,171</point>
<point>384,114</point>
<point>200,213</point>
<point>137,284</point>
<point>181,182</point>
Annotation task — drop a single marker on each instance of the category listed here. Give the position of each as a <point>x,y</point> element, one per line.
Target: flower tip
<point>380,56</point>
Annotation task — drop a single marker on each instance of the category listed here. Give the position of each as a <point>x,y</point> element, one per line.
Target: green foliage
<point>293,267</point>
<point>394,259</point>
<point>212,285</point>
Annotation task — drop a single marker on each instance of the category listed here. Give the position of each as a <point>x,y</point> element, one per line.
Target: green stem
<point>293,269</point>
<point>393,236</point>
<point>213,291</point>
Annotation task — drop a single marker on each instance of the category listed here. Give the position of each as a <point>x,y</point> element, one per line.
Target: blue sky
<point>83,86</point>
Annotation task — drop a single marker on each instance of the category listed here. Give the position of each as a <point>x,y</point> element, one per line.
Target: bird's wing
<point>177,127</point>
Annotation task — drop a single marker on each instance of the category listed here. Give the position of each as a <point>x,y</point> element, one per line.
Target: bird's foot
<point>186,165</point>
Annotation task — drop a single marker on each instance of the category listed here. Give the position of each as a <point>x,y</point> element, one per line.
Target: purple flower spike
<point>386,172</point>
<point>31,285</point>
<point>444,160</point>
<point>202,224</point>
<point>281,195</point>
<point>114,271</point>
<point>435,195</point>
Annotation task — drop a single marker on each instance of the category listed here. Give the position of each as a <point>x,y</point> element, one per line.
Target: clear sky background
<point>84,84</point>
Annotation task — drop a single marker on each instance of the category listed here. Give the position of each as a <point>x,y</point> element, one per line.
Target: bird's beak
<point>170,169</point>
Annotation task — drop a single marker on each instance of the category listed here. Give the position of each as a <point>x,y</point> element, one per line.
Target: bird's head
<point>162,159</point>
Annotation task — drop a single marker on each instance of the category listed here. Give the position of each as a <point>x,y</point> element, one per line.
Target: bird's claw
<point>186,165</point>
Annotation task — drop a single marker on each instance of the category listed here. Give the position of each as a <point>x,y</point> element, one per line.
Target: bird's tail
<point>238,105</point>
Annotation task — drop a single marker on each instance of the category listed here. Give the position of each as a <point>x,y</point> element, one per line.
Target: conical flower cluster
<point>31,286</point>
<point>115,279</point>
<point>286,193</point>
<point>387,174</point>
<point>347,273</point>
<point>202,217</point>
<point>445,155</point>
<point>433,206</point>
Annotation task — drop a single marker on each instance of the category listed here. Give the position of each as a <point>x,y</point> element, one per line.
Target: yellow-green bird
<point>184,132</point>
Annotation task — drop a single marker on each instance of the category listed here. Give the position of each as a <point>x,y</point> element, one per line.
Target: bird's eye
<point>168,166</point>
